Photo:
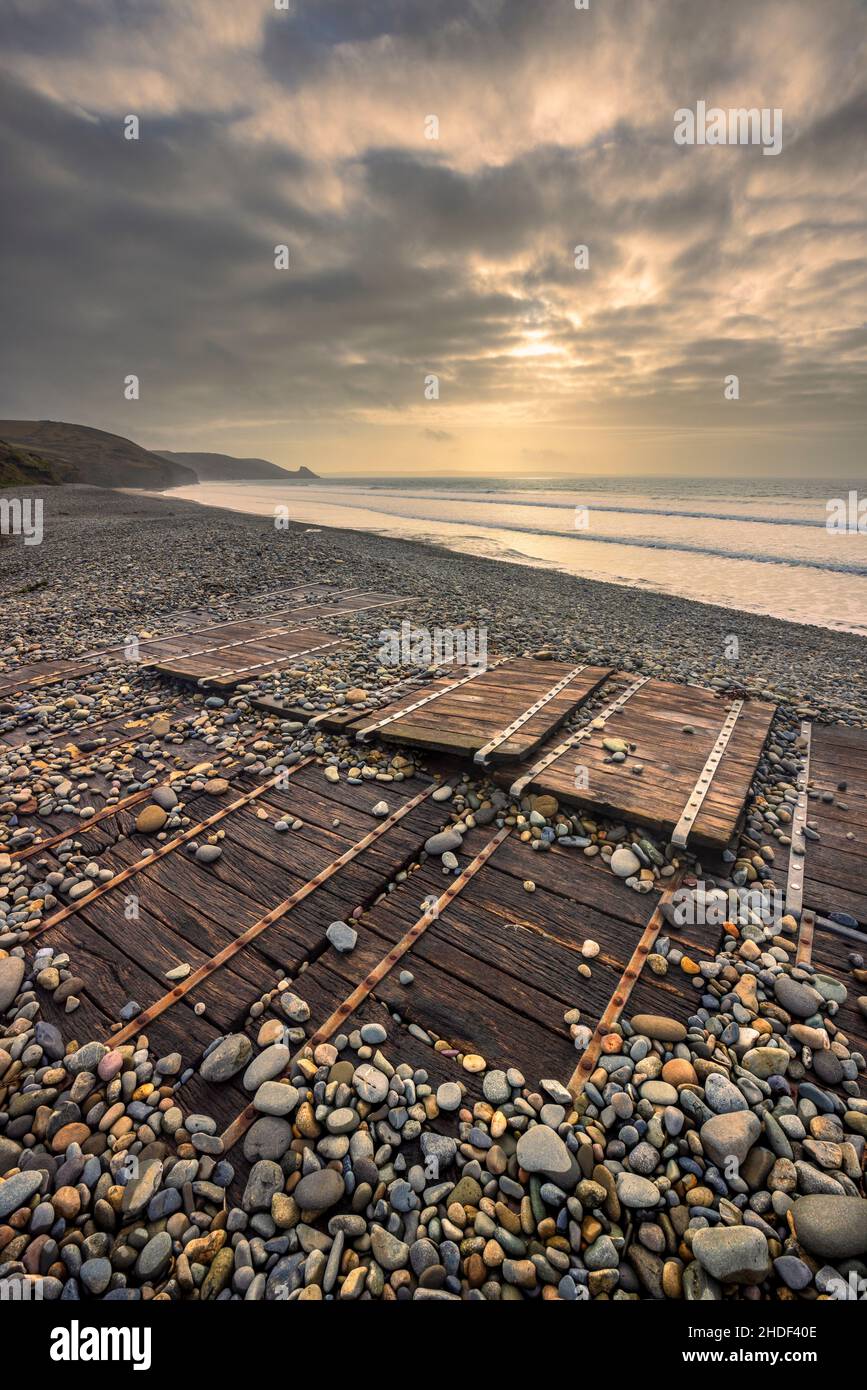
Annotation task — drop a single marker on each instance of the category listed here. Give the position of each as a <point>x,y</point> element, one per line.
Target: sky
<point>431,318</point>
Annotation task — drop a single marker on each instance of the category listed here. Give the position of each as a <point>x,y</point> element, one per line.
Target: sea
<point>791,548</point>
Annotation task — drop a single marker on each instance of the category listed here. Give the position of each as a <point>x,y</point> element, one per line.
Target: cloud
<point>409,256</point>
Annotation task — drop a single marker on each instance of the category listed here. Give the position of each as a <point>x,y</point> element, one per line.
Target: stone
<point>275,1098</point>
<point>496,1088</point>
<point>659,1092</point>
<point>635,1191</point>
<point>444,840</point>
<point>658,1027</point>
<point>269,1137</point>
<point>150,820</point>
<point>370,1083</point>
<point>732,1254</point>
<point>722,1095</point>
<point>541,1150</point>
<point>800,1000</point>
<point>388,1251</point>
<point>228,1057</point>
<point>318,1191</point>
<point>16,1191</point>
<point>342,936</point>
<point>154,1257</point>
<point>766,1061</point>
<point>832,1227</point>
<point>449,1095</point>
<point>270,1063</point>
<point>730,1136</point>
<point>11,975</point>
<point>296,1009</point>
<point>624,863</point>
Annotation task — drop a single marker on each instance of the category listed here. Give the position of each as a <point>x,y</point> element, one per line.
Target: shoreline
<point>813,590</point>
<point>221,553</point>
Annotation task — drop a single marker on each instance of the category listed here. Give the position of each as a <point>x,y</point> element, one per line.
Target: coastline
<point>223,553</point>
<point>765,555</point>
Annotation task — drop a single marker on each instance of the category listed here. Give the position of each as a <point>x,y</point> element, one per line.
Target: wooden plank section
<point>552,754</point>
<point>153,773</point>
<point>168,848</point>
<point>503,711</point>
<point>339,717</point>
<point>44,673</point>
<point>832,951</point>
<point>619,999</point>
<point>228,665</point>
<point>49,672</point>
<point>835,864</point>
<point>212,920</point>
<point>151,650</point>
<point>495,969</point>
<point>671,731</point>
<point>376,974</point>
<point>280,910</point>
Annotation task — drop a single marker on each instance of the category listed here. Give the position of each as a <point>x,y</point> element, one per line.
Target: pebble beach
<point>716,1160</point>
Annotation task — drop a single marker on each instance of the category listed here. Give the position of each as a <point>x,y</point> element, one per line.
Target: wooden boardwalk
<point>496,713</point>
<point>304,604</point>
<point>678,759</point>
<point>151,757</point>
<point>835,869</point>
<point>255,647</point>
<point>188,912</point>
<point>494,968</point>
<point>499,952</point>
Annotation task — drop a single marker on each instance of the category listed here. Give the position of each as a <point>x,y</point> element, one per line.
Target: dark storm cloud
<point>50,28</point>
<point>298,43</point>
<point>409,256</point>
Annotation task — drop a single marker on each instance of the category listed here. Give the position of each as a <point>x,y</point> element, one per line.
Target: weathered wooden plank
<point>653,722</point>
<point>466,713</point>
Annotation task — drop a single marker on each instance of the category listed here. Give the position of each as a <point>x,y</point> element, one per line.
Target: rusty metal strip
<point>170,845</point>
<point>281,910</point>
<point>804,951</point>
<point>587,731</point>
<point>242,1122</point>
<point>695,801</point>
<point>798,840</point>
<point>363,734</point>
<point>622,990</point>
<point>483,754</point>
<point>205,681</point>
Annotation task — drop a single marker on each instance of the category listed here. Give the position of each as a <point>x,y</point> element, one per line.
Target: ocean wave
<point>641,542</point>
<point>500,499</point>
